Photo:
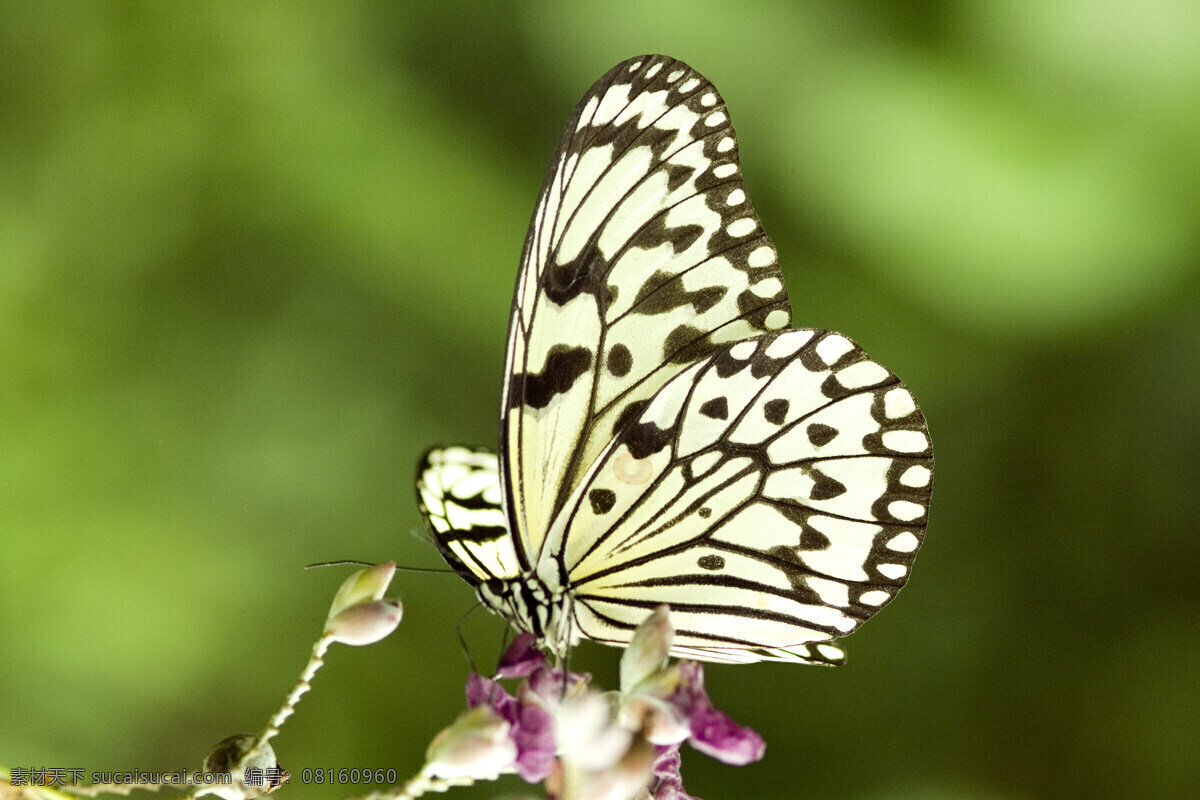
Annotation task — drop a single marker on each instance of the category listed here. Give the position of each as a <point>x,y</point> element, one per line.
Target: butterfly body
<point>532,606</point>
<point>665,436</point>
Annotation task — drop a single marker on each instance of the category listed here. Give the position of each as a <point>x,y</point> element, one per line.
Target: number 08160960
<point>348,775</point>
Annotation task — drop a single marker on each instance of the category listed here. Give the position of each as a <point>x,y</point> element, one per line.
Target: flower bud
<point>657,718</point>
<point>588,733</point>
<point>624,780</point>
<point>363,586</point>
<point>648,649</point>
<point>476,745</point>
<point>365,623</point>
<point>633,772</point>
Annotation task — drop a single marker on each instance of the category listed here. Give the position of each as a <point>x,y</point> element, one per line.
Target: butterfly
<point>665,435</point>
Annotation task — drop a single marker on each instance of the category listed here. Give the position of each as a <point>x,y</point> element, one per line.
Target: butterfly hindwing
<point>820,653</point>
<point>458,492</point>
<point>643,255</point>
<point>774,495</point>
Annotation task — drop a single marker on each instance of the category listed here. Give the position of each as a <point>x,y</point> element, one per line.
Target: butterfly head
<point>532,607</point>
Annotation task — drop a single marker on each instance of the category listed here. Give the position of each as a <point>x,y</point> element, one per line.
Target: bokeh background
<point>254,258</point>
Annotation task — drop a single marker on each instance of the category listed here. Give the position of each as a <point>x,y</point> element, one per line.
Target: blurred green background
<point>254,258</point>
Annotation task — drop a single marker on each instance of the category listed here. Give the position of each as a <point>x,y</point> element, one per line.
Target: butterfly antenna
<point>350,562</point>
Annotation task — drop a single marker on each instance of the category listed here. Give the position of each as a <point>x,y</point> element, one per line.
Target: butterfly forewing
<point>644,254</point>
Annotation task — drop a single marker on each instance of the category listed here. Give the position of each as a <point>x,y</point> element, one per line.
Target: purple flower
<point>609,742</point>
<point>668,703</point>
<point>532,726</point>
<point>520,658</point>
<point>713,732</point>
<point>667,783</point>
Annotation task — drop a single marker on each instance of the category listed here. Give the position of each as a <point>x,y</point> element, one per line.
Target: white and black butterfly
<point>665,437</point>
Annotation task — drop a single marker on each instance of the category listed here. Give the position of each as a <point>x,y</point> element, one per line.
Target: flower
<point>713,732</point>
<point>477,745</point>
<point>648,649</point>
<point>666,782</point>
<point>590,735</point>
<point>670,705</point>
<point>520,658</point>
<point>592,744</point>
<point>627,778</point>
<point>531,726</point>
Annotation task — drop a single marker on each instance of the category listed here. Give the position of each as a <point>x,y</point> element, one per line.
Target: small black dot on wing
<point>821,435</point>
<point>775,411</point>
<point>620,360</point>
<point>717,408</point>
<point>602,500</point>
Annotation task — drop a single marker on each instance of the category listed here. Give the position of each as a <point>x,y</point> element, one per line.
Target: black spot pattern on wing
<point>644,439</point>
<point>602,500</point>
<point>658,232</point>
<point>797,574</point>
<point>563,367</point>
<point>810,538</point>
<point>562,283</point>
<point>820,435</point>
<point>631,412</point>
<point>686,344</point>
<point>825,487</point>
<point>775,411</point>
<point>726,363</point>
<point>717,408</point>
<point>620,360</point>
<point>659,295</point>
<point>897,491</point>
